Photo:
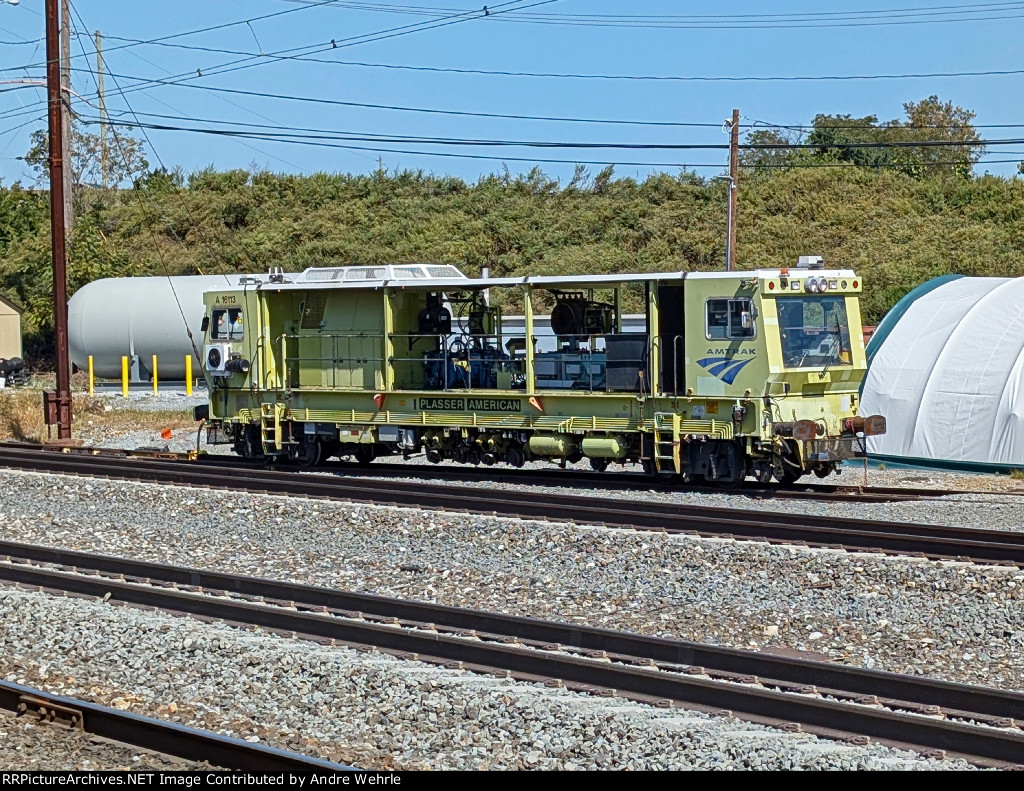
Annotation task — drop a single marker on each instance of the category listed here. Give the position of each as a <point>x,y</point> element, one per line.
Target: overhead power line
<point>321,143</point>
<point>299,135</point>
<point>445,111</point>
<point>251,60</point>
<point>849,18</point>
<point>594,76</point>
<point>569,119</point>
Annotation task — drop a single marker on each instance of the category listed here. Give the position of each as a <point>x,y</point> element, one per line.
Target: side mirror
<point>746,320</point>
<point>205,325</point>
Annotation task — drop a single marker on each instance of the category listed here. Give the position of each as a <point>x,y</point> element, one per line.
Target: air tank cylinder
<point>604,448</point>
<point>553,445</point>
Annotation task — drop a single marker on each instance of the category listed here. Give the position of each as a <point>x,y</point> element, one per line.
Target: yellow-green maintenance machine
<point>724,375</point>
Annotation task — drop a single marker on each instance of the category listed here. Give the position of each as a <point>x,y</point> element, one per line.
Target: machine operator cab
<point>815,309</point>
<point>224,353</point>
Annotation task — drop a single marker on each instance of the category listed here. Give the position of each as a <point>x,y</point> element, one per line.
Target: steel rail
<point>980,743</point>
<point>554,476</point>
<point>798,671</point>
<point>168,738</point>
<point>991,546</point>
<point>631,482</point>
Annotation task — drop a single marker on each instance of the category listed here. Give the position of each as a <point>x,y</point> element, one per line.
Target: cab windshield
<point>814,332</point>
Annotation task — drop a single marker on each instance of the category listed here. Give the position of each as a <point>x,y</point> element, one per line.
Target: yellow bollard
<point>188,374</point>
<point>92,378</point>
<point>124,376</point>
<point>154,375</point>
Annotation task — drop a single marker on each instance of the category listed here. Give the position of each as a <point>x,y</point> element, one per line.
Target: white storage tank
<point>140,316</point>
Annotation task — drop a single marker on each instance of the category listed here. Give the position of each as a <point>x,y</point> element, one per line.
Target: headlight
<point>812,284</point>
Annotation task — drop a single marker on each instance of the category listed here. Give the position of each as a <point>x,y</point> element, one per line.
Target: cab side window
<point>730,319</point>
<point>226,324</point>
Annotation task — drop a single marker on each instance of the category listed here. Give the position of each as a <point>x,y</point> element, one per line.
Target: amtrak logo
<point>725,368</point>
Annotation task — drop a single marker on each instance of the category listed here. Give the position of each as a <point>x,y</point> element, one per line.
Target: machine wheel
<point>331,448</point>
<point>598,465</point>
<point>788,477</point>
<point>308,453</point>
<point>250,444</point>
<point>435,456</point>
<point>515,457</point>
<point>364,454</point>
<point>786,470</point>
<point>762,472</point>
<point>824,472</point>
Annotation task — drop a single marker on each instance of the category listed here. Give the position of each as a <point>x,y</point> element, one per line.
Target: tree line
<point>896,215</point>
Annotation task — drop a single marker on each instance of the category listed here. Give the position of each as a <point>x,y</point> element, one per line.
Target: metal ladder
<point>666,441</point>
<point>270,427</point>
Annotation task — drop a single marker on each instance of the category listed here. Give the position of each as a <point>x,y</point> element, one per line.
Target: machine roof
<point>446,277</point>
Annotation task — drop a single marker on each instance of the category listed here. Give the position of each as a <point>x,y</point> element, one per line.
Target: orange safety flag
<point>535,403</point>
<point>378,399</point>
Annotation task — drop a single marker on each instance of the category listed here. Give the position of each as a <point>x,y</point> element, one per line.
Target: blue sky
<point>715,40</point>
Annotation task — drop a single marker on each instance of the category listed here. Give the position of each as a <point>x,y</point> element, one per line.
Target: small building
<point>10,328</point>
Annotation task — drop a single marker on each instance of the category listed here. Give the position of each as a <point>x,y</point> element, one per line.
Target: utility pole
<point>60,297</point>
<point>734,174</point>
<point>65,96</point>
<point>103,110</point>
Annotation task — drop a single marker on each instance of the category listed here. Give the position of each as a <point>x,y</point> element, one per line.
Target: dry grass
<point>1017,474</point>
<point>21,416</point>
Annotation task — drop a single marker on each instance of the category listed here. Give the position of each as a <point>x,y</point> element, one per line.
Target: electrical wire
<point>848,14</point>
<point>265,57</point>
<point>569,119</point>
<point>592,76</point>
<point>158,212</point>
<point>444,111</point>
<point>380,149</point>
<point>460,16</point>
<point>228,101</point>
<point>294,134</point>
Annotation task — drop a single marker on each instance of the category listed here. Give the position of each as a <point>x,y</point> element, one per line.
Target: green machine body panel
<point>732,373</point>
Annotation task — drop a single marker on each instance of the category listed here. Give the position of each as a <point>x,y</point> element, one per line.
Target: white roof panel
<point>448,278</point>
<point>445,277</point>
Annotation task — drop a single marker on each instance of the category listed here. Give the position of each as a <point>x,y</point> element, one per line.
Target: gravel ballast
<point>25,745</point>
<point>951,620</point>
<point>376,712</point>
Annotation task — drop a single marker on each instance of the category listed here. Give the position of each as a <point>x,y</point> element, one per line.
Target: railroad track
<point>932,541</point>
<point>168,738</point>
<point>630,482</point>
<point>552,476</point>
<point>977,723</point>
